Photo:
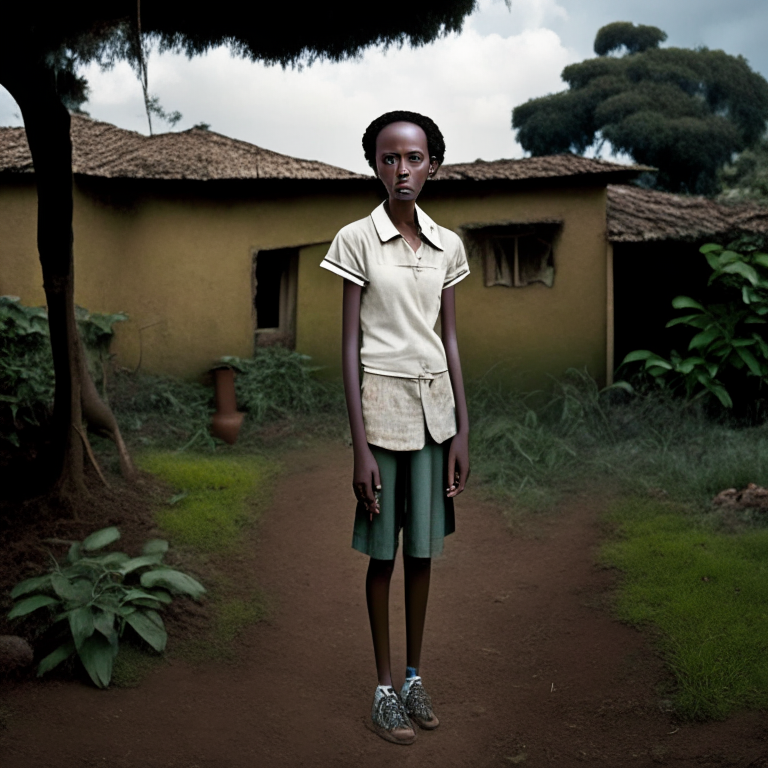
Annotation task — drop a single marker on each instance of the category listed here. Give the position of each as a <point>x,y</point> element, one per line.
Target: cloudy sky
<point>468,83</point>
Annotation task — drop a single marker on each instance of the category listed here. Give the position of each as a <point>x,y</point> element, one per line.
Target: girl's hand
<point>366,481</point>
<point>458,465</point>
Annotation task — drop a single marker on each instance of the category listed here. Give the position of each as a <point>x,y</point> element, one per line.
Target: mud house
<point>212,246</point>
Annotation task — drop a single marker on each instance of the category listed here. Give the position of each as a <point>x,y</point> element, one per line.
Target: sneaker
<point>388,717</point>
<point>417,704</point>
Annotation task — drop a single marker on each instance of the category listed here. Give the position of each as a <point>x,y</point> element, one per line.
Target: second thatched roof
<point>640,215</point>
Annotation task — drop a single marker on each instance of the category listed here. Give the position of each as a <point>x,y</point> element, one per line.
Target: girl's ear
<point>433,165</point>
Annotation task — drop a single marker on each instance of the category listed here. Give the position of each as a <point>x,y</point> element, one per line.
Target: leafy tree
<point>684,111</point>
<point>36,39</point>
<point>747,177</point>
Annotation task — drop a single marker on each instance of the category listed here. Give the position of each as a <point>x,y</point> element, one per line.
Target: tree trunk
<point>31,82</point>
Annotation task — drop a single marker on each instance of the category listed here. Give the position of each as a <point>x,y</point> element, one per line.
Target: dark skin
<point>403,165</point>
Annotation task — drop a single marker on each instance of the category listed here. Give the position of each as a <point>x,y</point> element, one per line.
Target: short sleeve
<point>458,268</point>
<point>346,258</point>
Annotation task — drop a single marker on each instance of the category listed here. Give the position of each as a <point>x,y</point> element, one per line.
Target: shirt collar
<point>386,230</point>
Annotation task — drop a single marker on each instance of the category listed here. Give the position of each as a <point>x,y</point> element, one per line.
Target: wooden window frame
<point>502,266</point>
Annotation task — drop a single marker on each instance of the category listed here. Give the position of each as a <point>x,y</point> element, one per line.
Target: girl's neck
<point>402,213</point>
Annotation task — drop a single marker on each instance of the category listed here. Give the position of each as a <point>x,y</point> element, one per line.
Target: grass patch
<point>532,448</point>
<point>232,615</point>
<point>215,495</point>
<point>237,614</point>
<point>132,664</point>
<point>213,502</point>
<point>706,593</point>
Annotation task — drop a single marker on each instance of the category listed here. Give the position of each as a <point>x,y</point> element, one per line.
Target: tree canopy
<point>683,111</point>
<point>273,33</point>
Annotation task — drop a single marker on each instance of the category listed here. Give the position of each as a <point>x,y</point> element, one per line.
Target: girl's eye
<point>416,158</point>
<point>389,160</point>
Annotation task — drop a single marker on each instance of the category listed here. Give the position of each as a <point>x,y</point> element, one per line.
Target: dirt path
<point>524,665</point>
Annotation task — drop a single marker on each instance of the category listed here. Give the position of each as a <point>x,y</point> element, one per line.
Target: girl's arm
<point>458,455</point>
<point>366,473</point>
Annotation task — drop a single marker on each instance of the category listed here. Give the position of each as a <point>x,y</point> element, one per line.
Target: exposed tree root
<point>89,451</point>
<point>101,420</point>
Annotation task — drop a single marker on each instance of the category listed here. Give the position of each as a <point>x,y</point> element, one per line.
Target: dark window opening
<point>275,275</point>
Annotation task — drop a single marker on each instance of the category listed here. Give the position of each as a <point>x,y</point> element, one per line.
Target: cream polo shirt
<point>406,388</point>
<point>401,300</point>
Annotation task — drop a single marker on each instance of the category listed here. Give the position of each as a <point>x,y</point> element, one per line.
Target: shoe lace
<point>390,713</point>
<point>418,703</point>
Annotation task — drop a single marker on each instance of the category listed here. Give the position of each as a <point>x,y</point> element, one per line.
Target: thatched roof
<point>638,215</point>
<point>104,150</point>
<point>547,167</point>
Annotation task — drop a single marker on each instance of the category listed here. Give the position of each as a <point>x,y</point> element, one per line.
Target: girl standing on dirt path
<point>408,418</point>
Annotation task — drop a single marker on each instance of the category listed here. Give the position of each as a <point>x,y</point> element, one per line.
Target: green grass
<point>213,501</point>
<point>532,448</point>
<point>215,495</point>
<point>237,614</point>
<point>133,664</point>
<point>232,615</point>
<point>706,592</point>
<point>277,388</point>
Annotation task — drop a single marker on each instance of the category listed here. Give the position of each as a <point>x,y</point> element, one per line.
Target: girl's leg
<point>417,572</point>
<point>377,596</point>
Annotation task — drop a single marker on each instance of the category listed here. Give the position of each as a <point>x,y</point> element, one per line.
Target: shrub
<point>26,365</point>
<point>98,596</point>
<point>278,383</point>
<point>164,411</point>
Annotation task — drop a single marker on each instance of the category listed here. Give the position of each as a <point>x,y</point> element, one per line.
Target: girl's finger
<point>451,472</point>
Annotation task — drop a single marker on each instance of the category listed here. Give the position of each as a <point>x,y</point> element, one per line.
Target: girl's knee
<point>381,568</point>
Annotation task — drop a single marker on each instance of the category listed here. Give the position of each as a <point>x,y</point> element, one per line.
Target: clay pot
<point>227,420</point>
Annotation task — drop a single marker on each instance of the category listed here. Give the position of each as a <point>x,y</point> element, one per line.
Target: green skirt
<point>412,499</point>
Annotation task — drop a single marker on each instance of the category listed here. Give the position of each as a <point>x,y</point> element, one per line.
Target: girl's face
<point>402,160</point>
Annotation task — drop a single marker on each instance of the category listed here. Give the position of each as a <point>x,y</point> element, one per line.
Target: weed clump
<point>533,447</point>
<point>280,383</point>
<point>275,385</point>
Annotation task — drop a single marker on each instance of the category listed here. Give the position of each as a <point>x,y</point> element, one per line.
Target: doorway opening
<point>275,282</point>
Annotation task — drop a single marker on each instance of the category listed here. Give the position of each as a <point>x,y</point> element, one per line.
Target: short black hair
<point>435,140</point>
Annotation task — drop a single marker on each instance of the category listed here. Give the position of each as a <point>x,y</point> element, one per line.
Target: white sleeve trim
<point>331,267</point>
<point>456,279</point>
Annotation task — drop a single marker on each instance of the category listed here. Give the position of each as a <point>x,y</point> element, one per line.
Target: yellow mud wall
<point>527,334</point>
<point>524,334</point>
<point>20,272</point>
<point>179,266</point>
<point>318,311</point>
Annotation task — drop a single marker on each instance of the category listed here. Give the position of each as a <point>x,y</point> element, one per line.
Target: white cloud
<point>467,83</point>
<point>524,14</point>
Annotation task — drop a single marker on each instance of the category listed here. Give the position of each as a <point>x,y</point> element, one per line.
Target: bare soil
<point>522,658</point>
